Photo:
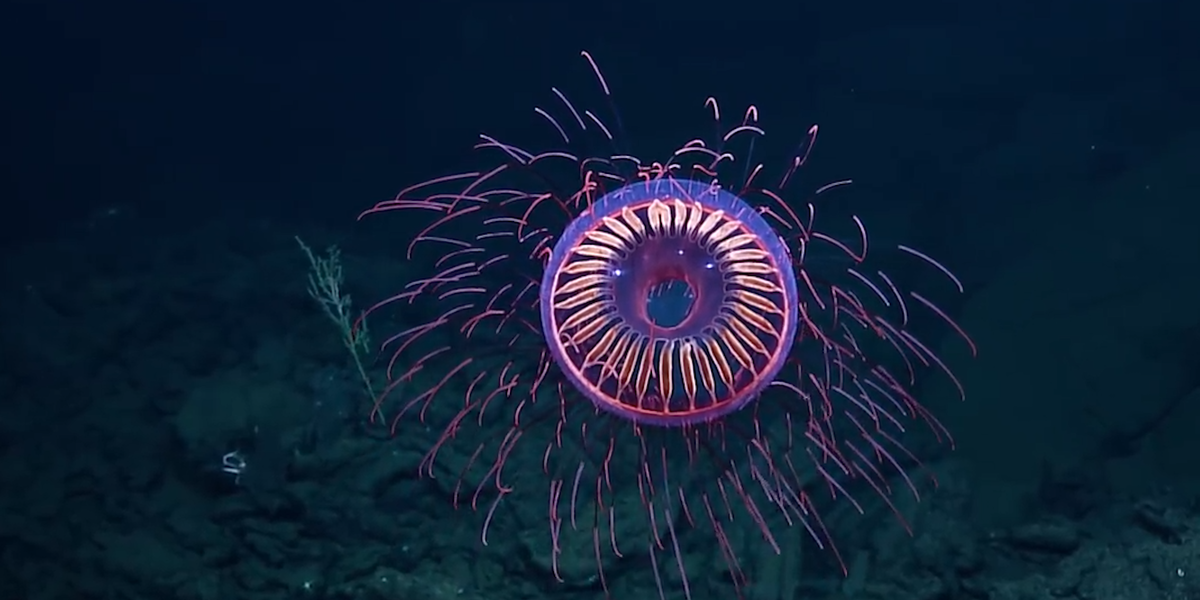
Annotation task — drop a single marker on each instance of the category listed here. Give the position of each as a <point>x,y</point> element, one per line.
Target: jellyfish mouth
<point>668,286</point>
<point>669,302</point>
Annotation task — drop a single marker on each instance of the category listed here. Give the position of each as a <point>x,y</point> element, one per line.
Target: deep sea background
<point>163,155</point>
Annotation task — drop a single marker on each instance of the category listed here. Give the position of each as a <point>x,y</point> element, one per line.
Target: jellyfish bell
<point>626,251</point>
<point>646,347</point>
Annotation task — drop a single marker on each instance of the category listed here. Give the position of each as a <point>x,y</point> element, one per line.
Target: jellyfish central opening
<point>670,301</point>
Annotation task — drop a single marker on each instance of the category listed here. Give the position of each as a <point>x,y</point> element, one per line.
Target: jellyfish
<point>653,346</point>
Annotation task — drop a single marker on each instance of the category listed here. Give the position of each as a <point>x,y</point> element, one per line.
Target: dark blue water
<point>190,411</point>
